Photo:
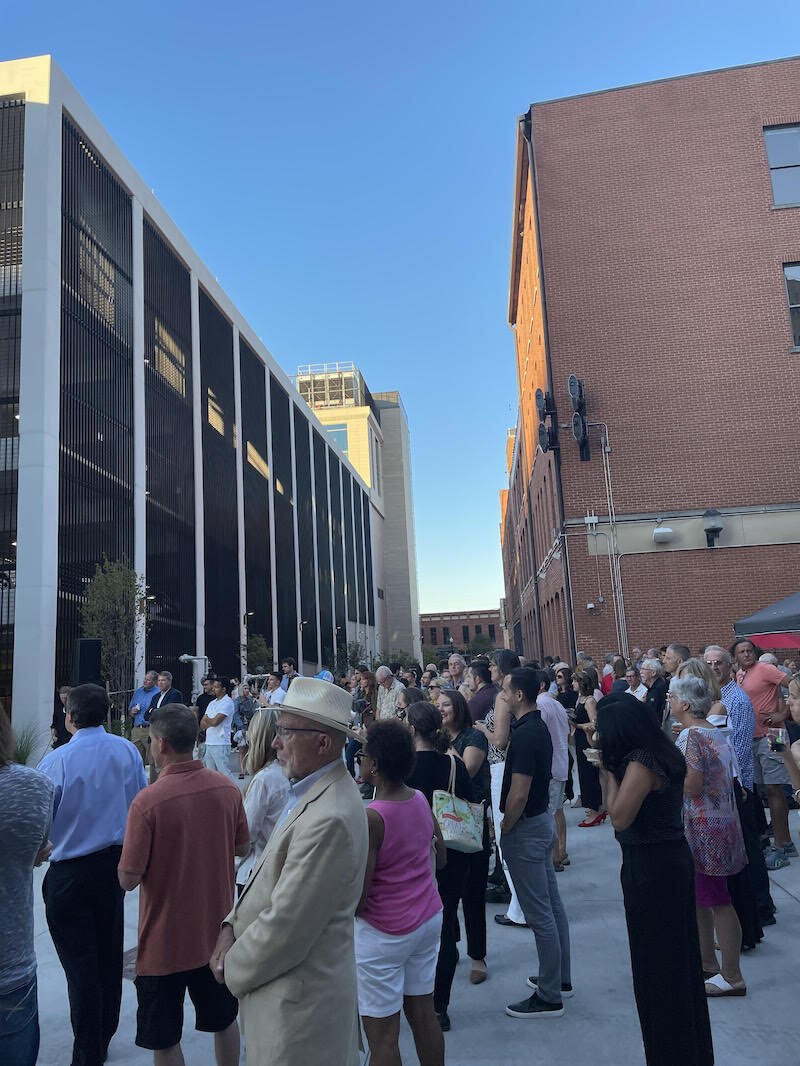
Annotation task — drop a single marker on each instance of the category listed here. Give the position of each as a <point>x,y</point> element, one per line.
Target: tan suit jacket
<point>293,963</point>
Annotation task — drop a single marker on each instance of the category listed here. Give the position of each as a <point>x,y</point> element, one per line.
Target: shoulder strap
<point>451,788</point>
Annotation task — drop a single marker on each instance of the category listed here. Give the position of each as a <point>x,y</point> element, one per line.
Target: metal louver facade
<point>142,420</point>
<point>95,500</point>
<point>12,137</point>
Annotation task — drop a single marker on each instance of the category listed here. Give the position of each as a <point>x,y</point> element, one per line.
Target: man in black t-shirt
<point>527,838</point>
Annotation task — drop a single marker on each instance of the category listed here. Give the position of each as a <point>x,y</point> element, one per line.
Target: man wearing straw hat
<point>286,949</point>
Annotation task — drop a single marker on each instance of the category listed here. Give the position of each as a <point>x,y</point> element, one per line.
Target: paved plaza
<point>600,1022</point>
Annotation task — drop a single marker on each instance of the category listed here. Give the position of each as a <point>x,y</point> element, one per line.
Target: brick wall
<point>663,274</point>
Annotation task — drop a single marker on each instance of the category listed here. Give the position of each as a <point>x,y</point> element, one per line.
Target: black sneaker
<point>566,990</point>
<point>534,1008</point>
<point>444,1020</point>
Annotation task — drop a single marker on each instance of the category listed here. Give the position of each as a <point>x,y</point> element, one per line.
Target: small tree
<point>114,606</point>
<point>356,653</point>
<point>258,654</point>
<point>479,645</point>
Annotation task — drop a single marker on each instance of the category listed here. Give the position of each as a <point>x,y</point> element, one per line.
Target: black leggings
<point>451,881</point>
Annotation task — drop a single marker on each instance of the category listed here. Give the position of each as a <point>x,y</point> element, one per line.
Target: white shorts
<point>556,795</point>
<point>390,967</point>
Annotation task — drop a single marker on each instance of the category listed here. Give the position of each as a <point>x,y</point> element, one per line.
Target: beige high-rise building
<point>372,432</point>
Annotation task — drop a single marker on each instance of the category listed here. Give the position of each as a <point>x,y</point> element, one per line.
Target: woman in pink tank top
<point>399,917</point>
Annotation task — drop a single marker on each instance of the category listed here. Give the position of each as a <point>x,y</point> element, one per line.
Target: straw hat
<point>320,702</point>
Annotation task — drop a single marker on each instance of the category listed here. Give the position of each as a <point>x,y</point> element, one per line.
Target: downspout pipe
<point>526,125</point>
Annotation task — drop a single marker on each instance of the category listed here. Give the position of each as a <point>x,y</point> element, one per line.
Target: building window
<point>338,432</point>
<point>446,635</point>
<point>783,154</point>
<point>491,632</point>
<point>465,634</point>
<point>791,272</point>
<point>433,635</point>
<point>478,630</point>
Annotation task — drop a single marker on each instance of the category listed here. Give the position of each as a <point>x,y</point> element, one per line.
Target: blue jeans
<point>19,1025</point>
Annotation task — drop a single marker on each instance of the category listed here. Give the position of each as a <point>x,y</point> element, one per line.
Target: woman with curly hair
<point>399,917</point>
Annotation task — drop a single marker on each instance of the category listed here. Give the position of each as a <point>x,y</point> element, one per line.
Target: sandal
<point>717,986</point>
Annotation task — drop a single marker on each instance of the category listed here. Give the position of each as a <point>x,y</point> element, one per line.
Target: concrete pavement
<point>599,1023</point>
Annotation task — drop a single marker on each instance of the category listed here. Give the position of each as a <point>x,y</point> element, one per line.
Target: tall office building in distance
<point>145,422</point>
<point>372,431</point>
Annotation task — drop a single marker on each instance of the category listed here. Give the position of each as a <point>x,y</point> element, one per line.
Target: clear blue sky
<point>346,171</point>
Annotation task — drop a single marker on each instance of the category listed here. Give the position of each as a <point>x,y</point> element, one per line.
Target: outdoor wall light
<point>663,534</point>
<point>712,524</point>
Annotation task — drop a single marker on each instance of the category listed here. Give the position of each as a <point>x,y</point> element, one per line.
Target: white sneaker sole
<point>535,987</point>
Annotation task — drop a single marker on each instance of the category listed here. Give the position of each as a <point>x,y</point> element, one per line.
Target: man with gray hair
<point>138,708</point>
<point>742,720</point>
<point>457,665</point>
<point>652,675</point>
<point>389,688</point>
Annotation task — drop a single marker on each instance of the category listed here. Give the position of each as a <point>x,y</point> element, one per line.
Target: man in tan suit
<point>286,949</point>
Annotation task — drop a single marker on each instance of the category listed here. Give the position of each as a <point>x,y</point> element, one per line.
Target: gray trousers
<point>528,851</point>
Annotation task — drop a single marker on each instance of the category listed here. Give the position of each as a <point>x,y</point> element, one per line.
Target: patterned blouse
<point>496,755</point>
<point>710,819</point>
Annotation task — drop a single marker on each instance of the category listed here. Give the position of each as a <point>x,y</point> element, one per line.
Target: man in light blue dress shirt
<point>138,707</point>
<point>95,779</point>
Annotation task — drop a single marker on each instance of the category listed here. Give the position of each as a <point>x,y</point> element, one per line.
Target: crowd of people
<point>378,814</point>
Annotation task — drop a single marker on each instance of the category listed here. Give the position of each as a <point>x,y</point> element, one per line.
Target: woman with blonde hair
<point>267,791</point>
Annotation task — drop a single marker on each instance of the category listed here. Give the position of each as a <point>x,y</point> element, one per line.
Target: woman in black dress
<point>431,772</point>
<point>641,777</point>
<point>473,747</point>
<point>568,698</point>
<point>585,684</point>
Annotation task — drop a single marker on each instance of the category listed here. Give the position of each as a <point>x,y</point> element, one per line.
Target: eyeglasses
<point>714,662</point>
<point>284,730</point>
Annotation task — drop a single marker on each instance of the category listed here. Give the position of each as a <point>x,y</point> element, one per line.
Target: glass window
<point>792,274</point>
<point>465,634</point>
<point>433,635</point>
<point>783,153</point>
<point>338,432</point>
<point>446,635</point>
<point>478,630</point>
<point>491,631</point>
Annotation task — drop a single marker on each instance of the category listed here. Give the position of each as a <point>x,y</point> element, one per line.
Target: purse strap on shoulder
<point>451,788</point>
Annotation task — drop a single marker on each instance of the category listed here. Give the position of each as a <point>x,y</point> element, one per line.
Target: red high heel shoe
<point>589,823</point>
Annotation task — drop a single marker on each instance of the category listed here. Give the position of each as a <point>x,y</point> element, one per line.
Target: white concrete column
<point>330,550</point>
<point>40,359</point>
<point>298,603</point>
<point>237,437</point>
<point>313,490</point>
<point>139,437</point>
<point>273,568</point>
<point>199,408</point>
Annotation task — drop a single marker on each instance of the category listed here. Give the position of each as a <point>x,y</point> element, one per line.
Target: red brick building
<point>656,257</point>
<point>460,628</point>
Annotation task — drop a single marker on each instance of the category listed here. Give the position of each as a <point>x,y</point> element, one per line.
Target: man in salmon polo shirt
<point>180,843</point>
<point>762,683</point>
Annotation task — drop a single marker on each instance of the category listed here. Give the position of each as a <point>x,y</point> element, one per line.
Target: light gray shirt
<point>26,812</point>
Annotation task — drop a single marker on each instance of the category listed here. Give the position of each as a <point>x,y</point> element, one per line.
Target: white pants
<point>216,758</point>
<point>514,911</point>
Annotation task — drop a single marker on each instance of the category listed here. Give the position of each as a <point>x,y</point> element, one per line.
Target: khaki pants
<point>140,738</point>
